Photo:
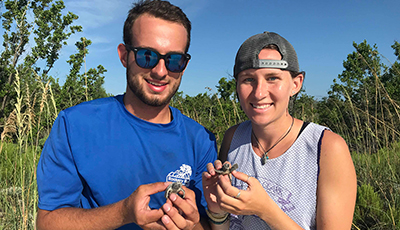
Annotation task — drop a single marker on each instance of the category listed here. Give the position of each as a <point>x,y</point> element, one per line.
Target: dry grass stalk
<point>53,101</point>
<point>396,131</point>
<point>9,129</point>
<point>222,110</point>
<point>395,105</point>
<point>236,112</point>
<point>10,126</point>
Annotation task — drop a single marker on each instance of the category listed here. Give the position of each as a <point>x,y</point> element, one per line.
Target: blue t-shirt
<point>98,153</point>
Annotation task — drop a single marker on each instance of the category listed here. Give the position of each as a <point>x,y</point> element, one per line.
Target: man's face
<point>156,86</point>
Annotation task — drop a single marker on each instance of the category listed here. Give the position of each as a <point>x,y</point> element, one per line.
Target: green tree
<point>391,79</point>
<point>361,99</point>
<point>304,108</point>
<point>215,111</point>
<point>227,89</point>
<point>49,30</point>
<point>81,87</point>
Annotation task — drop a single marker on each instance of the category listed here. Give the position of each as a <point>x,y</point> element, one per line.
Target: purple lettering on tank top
<point>279,194</point>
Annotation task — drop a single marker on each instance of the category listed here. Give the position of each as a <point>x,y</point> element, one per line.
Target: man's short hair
<point>159,9</point>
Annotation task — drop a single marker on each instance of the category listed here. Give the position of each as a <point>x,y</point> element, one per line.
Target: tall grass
<point>19,154</point>
<point>378,196</point>
<point>371,128</point>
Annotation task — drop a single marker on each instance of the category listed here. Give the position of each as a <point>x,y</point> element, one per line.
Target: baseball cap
<point>247,55</point>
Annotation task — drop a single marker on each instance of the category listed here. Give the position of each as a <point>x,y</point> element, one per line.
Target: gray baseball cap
<point>247,55</point>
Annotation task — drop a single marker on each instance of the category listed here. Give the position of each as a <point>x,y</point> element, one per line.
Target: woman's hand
<point>211,187</point>
<point>222,197</point>
<point>243,202</point>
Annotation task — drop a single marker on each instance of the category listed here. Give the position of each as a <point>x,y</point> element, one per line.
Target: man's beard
<point>134,86</point>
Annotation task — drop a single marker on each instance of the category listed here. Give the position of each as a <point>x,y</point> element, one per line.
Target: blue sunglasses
<point>148,58</point>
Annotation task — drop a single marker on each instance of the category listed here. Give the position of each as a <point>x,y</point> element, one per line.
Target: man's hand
<point>138,210</point>
<point>181,213</point>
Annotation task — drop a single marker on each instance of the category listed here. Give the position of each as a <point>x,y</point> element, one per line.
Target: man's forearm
<point>106,217</point>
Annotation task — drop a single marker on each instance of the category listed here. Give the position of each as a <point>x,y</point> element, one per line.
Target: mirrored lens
<point>146,58</point>
<point>175,62</point>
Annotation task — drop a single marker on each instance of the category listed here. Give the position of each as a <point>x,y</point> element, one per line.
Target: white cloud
<point>99,39</point>
<point>192,8</point>
<point>96,13</point>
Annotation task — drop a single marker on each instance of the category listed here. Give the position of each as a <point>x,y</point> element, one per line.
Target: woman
<point>291,174</point>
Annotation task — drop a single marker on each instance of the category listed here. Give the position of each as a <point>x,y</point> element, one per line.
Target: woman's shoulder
<point>229,133</point>
<point>335,153</point>
<point>332,142</point>
<point>226,141</point>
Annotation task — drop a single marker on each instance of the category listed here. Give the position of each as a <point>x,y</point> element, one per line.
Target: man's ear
<point>123,54</point>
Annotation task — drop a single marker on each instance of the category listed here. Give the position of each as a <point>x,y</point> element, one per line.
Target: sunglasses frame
<point>135,50</point>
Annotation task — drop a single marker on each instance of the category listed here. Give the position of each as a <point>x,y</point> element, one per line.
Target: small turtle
<point>175,187</point>
<point>226,169</point>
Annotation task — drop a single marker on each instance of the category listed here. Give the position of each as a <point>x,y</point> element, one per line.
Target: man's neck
<point>153,114</point>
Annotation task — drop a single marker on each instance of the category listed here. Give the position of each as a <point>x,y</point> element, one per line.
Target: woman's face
<point>264,93</point>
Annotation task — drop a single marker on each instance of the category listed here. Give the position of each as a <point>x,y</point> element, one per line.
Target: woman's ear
<point>123,54</point>
<point>297,83</point>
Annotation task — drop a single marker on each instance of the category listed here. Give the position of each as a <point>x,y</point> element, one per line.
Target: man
<point>107,162</point>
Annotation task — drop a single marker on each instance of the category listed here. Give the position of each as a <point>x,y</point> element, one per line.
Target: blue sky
<point>322,32</point>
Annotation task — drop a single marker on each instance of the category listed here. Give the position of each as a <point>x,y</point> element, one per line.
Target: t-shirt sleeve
<point>59,184</point>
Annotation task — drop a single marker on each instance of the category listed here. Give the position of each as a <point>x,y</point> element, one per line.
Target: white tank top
<point>290,179</point>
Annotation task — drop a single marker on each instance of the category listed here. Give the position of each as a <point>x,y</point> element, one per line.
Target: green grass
<point>18,189</point>
<point>378,195</point>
